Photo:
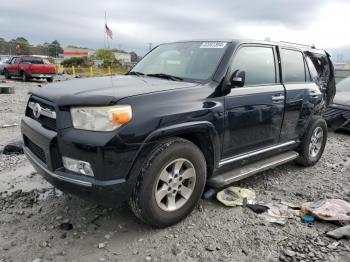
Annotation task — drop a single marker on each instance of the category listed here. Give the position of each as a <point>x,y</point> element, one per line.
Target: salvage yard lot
<point>35,222</point>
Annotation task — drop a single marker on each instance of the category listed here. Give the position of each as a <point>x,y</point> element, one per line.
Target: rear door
<point>254,112</point>
<point>302,94</point>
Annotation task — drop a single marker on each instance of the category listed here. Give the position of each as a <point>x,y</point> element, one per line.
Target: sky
<point>135,23</point>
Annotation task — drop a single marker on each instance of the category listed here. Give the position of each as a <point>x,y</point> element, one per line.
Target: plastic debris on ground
<point>328,209</point>
<point>236,196</point>
<point>13,148</point>
<point>277,214</point>
<point>257,208</point>
<point>9,125</point>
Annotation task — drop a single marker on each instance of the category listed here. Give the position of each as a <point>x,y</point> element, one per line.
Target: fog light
<point>77,166</point>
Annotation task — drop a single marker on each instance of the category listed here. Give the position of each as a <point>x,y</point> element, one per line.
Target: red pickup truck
<point>28,67</point>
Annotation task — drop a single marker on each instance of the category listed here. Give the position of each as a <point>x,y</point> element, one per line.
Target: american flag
<point>109,32</point>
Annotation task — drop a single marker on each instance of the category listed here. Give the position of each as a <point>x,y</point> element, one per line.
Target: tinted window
<point>293,66</point>
<point>313,71</point>
<point>189,60</point>
<point>258,64</point>
<point>32,60</point>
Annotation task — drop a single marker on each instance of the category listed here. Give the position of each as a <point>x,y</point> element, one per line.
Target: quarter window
<point>258,64</point>
<point>293,66</point>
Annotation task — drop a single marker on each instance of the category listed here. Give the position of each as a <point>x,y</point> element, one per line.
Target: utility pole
<point>150,46</point>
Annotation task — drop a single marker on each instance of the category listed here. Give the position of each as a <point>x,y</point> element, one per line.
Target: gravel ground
<point>34,218</point>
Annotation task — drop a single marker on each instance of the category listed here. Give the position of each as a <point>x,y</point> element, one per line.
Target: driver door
<point>254,112</point>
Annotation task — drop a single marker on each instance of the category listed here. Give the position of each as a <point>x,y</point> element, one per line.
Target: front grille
<point>46,122</point>
<point>333,112</point>
<point>35,149</point>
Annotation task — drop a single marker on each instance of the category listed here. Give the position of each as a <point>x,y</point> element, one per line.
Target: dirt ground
<point>34,218</point>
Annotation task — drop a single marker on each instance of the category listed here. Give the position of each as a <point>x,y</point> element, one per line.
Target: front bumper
<point>109,193</point>
<point>42,75</point>
<point>44,147</point>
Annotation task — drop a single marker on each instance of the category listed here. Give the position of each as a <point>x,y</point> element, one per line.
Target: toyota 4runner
<point>189,115</point>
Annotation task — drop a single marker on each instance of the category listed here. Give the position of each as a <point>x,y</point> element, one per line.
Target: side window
<point>258,64</point>
<point>293,66</point>
<point>313,71</point>
<point>322,69</point>
<point>18,59</point>
<point>13,61</point>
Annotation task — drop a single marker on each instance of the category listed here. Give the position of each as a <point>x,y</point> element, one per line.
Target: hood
<point>112,88</point>
<point>342,98</point>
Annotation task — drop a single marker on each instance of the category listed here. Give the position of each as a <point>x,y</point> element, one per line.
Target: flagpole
<point>104,37</point>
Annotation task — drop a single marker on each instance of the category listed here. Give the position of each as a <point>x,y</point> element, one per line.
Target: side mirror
<point>237,78</point>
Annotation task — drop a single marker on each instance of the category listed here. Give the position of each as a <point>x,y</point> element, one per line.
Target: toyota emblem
<point>37,110</point>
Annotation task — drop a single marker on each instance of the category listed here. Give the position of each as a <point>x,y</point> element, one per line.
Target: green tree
<point>54,49</point>
<point>107,56</point>
<point>134,57</point>
<point>21,46</point>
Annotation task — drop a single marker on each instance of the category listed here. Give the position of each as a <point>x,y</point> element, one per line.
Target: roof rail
<point>312,46</point>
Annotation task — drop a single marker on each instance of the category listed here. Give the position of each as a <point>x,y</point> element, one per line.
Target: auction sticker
<point>213,45</point>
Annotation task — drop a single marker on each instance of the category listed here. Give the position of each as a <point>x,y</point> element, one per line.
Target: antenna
<point>150,46</point>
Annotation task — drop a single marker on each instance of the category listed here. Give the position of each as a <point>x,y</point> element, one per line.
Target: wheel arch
<point>203,134</point>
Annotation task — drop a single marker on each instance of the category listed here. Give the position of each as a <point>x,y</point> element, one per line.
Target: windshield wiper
<point>136,73</point>
<point>166,76</point>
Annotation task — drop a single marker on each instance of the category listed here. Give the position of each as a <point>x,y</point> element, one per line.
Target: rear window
<point>33,60</point>
<point>293,66</point>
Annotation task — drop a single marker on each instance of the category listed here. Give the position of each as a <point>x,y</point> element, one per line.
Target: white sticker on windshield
<point>213,45</point>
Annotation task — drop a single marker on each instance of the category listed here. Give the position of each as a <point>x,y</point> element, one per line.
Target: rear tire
<point>313,142</point>
<point>170,183</point>
<point>24,76</point>
<point>7,74</point>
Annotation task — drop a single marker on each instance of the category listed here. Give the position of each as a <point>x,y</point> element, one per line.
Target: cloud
<point>137,23</point>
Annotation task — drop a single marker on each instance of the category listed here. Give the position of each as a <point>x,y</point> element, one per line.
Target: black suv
<point>188,115</point>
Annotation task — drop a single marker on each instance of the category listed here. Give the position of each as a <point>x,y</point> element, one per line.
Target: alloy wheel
<point>316,142</point>
<point>175,185</point>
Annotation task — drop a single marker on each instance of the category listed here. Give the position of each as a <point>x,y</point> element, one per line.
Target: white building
<point>124,58</point>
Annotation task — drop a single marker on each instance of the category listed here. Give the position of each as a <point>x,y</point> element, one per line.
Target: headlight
<point>100,118</point>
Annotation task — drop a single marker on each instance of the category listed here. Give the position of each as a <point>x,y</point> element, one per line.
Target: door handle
<point>278,98</point>
<point>313,93</point>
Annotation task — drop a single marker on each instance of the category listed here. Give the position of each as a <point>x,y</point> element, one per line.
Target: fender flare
<point>198,127</point>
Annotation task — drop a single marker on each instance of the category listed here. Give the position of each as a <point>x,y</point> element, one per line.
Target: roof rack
<point>312,46</point>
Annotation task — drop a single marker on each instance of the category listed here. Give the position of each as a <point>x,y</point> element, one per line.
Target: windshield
<point>188,60</point>
<point>344,85</point>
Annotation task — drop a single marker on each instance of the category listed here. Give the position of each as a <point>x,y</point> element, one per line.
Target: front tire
<point>170,183</point>
<point>49,79</point>
<point>313,142</point>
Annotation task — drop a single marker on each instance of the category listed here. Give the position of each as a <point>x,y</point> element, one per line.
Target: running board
<point>236,174</point>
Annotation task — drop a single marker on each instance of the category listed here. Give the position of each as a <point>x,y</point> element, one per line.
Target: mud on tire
<point>144,203</point>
